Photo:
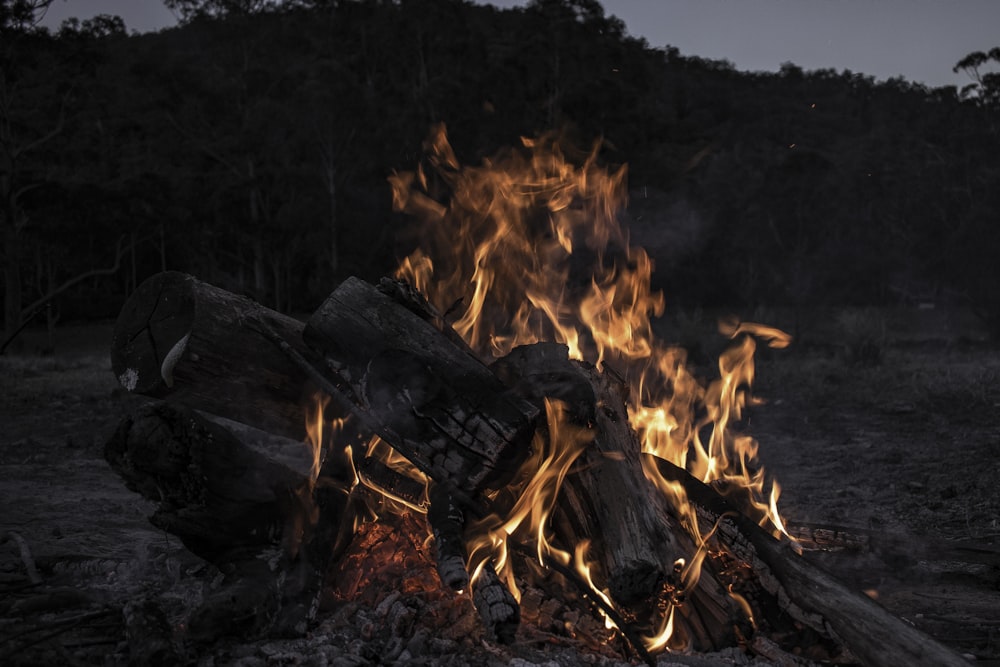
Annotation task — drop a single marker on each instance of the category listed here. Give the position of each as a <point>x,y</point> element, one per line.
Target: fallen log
<point>191,342</point>
<point>861,625</point>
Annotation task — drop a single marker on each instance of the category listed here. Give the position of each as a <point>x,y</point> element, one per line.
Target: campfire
<point>499,412</point>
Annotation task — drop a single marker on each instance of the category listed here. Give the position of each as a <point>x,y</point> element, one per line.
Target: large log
<point>865,628</point>
<point>425,395</point>
<point>201,346</point>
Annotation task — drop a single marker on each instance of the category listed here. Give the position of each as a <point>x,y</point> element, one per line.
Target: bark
<point>200,346</point>
<point>425,396</point>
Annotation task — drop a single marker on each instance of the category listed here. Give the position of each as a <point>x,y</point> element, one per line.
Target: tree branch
<point>120,251</point>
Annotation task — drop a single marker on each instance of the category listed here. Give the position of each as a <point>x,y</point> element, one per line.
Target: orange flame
<point>528,248</point>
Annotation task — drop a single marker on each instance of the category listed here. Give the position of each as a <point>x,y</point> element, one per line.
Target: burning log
<point>607,499</point>
<point>185,340</point>
<point>447,520</point>
<point>428,398</point>
<point>862,626</point>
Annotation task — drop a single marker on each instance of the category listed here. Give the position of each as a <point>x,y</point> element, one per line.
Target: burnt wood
<point>247,504</point>
<point>198,345</point>
<point>866,629</point>
<point>447,521</point>
<point>499,611</point>
<point>607,498</point>
<point>428,398</point>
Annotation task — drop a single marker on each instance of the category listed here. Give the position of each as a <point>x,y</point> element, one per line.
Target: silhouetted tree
<point>985,86</point>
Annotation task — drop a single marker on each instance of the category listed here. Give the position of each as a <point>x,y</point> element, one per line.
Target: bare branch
<point>120,252</point>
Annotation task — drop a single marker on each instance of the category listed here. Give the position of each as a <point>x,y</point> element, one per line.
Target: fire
<point>527,520</point>
<point>526,248</point>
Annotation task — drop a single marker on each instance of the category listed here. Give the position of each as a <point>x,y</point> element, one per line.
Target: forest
<point>251,146</point>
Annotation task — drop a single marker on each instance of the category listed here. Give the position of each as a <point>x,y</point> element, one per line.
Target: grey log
<point>200,346</point>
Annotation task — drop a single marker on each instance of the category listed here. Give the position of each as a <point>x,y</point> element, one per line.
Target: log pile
<point>222,454</point>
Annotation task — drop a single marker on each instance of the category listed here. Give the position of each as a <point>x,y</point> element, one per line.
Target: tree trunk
<point>12,281</point>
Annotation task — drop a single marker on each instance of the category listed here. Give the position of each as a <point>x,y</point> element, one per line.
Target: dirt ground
<point>896,465</point>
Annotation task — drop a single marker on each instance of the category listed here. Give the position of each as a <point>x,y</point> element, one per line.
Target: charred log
<point>858,623</point>
<point>447,521</point>
<point>499,611</point>
<point>254,512</point>
<point>428,398</point>
<point>150,637</point>
<point>607,499</point>
<point>180,338</point>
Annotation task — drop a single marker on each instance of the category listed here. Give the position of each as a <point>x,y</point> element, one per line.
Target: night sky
<point>920,40</point>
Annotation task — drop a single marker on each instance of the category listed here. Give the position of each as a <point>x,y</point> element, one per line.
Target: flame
<point>537,485</point>
<point>315,424</point>
<point>527,247</point>
<point>379,450</point>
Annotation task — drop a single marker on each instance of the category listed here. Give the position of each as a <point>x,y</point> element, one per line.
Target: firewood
<point>499,611</point>
<point>26,558</point>
<point>427,397</point>
<point>150,637</point>
<point>396,484</point>
<point>862,626</point>
<point>180,338</point>
<point>218,495</point>
<point>254,513</point>
<point>607,499</point>
<point>447,522</point>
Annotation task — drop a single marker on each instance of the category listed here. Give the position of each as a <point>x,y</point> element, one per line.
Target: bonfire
<point>500,412</point>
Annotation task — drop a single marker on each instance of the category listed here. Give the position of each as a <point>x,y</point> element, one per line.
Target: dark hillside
<point>253,149</point>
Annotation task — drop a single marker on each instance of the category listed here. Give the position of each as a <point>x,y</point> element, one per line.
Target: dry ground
<point>902,457</point>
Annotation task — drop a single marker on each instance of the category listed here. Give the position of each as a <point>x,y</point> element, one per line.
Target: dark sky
<point>920,40</point>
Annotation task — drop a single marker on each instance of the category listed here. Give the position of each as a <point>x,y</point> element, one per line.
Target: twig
<point>29,562</point>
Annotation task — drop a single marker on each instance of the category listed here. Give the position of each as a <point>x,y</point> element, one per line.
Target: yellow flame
<point>583,567</point>
<point>528,247</point>
<point>314,434</point>
<point>538,484</point>
<point>659,641</point>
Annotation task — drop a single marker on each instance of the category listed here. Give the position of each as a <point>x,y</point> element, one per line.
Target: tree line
<point>251,146</point>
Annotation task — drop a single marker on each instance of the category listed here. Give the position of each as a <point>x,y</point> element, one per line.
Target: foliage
<point>251,146</point>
